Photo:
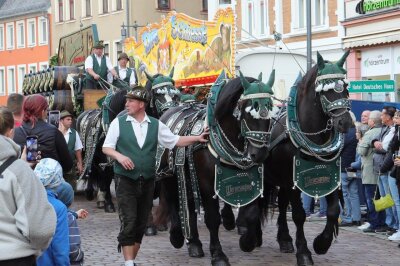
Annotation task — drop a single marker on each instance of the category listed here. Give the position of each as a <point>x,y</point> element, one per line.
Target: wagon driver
<point>97,65</point>
<point>126,74</point>
<point>132,141</point>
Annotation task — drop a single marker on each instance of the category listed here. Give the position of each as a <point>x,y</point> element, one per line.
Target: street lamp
<point>124,29</point>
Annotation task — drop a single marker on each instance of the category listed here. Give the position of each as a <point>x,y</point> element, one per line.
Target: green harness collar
<point>300,140</point>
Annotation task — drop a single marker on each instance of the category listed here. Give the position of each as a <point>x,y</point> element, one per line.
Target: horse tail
<point>267,202</point>
<point>162,212</point>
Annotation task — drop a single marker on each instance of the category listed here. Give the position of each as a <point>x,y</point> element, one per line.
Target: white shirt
<point>122,75</point>
<point>386,139</point>
<point>89,62</point>
<point>78,142</point>
<point>165,137</point>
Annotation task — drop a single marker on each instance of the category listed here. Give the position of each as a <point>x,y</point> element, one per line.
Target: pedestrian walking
<point>132,141</point>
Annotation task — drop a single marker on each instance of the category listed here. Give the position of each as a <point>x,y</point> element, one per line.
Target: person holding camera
<point>23,201</point>
<point>50,140</point>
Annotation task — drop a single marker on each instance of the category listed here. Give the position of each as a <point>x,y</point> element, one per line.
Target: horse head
<point>163,93</point>
<point>253,113</point>
<point>331,86</point>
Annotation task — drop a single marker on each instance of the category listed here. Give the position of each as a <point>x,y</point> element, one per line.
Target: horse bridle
<point>257,139</point>
<point>161,107</point>
<point>343,103</point>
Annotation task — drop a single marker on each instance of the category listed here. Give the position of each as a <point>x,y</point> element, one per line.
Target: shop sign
<point>197,49</point>
<point>374,5</point>
<point>376,62</point>
<point>360,86</point>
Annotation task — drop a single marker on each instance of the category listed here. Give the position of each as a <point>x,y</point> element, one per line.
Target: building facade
<point>372,33</point>
<point>24,42</point>
<point>260,23</point>
<point>109,16</point>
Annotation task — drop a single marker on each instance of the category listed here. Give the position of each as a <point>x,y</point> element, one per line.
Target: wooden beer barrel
<point>62,101</point>
<point>60,77</point>
<point>90,98</point>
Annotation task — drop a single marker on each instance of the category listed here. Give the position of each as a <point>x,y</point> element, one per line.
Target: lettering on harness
<point>230,190</point>
<point>312,180</point>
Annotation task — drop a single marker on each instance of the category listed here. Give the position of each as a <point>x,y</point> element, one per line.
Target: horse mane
<point>117,103</point>
<point>229,96</point>
<point>308,81</point>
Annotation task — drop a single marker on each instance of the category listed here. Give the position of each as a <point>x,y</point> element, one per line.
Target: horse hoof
<point>304,259</point>
<point>220,261</point>
<point>109,208</point>
<point>150,231</point>
<point>176,240</point>
<point>100,204</point>
<point>195,250</point>
<point>241,230</point>
<point>321,244</point>
<point>286,246</point>
<point>246,244</point>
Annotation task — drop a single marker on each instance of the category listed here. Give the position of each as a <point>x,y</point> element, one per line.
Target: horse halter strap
<point>162,84</point>
<point>258,139</point>
<point>255,96</point>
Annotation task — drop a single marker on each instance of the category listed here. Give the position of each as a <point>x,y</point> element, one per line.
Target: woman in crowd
<point>23,234</point>
<point>51,142</point>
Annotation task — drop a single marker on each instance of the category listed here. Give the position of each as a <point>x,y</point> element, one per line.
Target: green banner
<point>316,179</point>
<point>360,86</point>
<point>238,187</point>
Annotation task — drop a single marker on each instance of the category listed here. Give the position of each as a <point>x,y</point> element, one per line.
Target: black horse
<point>92,126</point>
<point>315,118</point>
<point>240,114</point>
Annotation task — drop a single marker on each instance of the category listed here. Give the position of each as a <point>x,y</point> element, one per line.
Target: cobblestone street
<point>100,229</point>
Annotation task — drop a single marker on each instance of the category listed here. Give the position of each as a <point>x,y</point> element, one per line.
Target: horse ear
<point>244,81</point>
<point>260,77</point>
<point>149,77</point>
<point>221,77</point>
<point>171,74</point>
<point>343,59</point>
<point>320,61</point>
<point>271,80</point>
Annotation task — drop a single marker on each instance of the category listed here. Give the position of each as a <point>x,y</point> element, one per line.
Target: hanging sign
<point>198,50</point>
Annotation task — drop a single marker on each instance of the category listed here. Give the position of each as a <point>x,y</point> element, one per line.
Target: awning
<point>371,39</point>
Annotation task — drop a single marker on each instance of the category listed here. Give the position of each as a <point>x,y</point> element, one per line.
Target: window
<point>43,66</point>
<point>250,18</point>
<point>11,80</point>
<point>1,37</point>
<point>2,82</point>
<point>32,68</point>
<point>10,36</point>
<point>118,51</point>
<point>107,49</point>
<point>21,75</point>
<point>20,34</point>
<point>263,17</point>
<point>60,11</point>
<point>319,14</point>
<point>43,31</point>
<point>31,32</point>
<point>224,2</point>
<point>163,4</point>
<point>205,5</point>
<point>71,9</point>
<point>88,8</point>
<point>118,5</point>
<point>105,6</point>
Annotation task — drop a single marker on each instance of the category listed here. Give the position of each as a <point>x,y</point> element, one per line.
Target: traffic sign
<point>360,86</point>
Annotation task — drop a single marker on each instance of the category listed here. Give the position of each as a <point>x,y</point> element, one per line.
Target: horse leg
<point>151,229</point>
<point>324,240</point>
<point>194,245</point>
<point>283,237</point>
<point>303,254</point>
<point>106,189</point>
<point>228,218</point>
<point>251,215</point>
<point>212,219</point>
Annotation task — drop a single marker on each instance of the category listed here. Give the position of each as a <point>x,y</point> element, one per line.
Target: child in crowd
<point>65,194</point>
<point>49,171</point>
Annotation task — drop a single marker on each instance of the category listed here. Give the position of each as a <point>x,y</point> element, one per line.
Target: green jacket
<point>71,143</point>
<point>99,70</point>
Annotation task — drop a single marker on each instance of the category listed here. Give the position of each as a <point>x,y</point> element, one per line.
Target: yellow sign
<point>198,50</point>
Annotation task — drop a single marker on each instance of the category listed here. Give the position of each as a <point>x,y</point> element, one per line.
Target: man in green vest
<point>127,76</point>
<point>132,141</point>
<point>97,65</point>
<point>74,144</point>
